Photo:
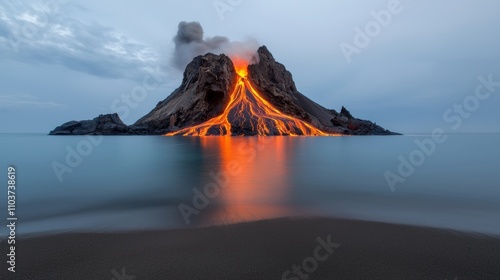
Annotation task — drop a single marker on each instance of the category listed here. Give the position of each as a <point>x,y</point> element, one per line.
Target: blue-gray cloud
<point>17,99</point>
<point>45,33</point>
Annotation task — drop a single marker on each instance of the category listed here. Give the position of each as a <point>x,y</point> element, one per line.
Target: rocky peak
<point>275,82</point>
<point>344,112</point>
<point>207,82</point>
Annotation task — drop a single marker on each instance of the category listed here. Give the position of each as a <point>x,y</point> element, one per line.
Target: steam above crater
<point>189,43</point>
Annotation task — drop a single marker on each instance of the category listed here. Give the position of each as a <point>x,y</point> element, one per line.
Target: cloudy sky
<point>64,60</point>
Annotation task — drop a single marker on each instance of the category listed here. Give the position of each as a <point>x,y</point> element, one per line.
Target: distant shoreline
<point>263,250</point>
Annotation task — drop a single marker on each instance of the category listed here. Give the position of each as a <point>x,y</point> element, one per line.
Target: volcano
<point>220,95</point>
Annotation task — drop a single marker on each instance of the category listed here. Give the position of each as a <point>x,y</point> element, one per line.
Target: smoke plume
<point>189,43</point>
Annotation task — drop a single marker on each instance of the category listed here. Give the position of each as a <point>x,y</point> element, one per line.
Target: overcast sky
<point>72,60</point>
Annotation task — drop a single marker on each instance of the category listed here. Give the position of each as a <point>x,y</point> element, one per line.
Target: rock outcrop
<point>207,84</point>
<point>110,124</point>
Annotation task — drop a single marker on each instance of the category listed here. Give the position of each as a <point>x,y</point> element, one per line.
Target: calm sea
<point>115,183</point>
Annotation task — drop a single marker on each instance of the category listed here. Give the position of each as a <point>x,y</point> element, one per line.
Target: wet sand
<point>288,248</point>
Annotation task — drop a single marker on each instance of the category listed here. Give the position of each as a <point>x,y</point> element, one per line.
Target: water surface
<point>143,182</point>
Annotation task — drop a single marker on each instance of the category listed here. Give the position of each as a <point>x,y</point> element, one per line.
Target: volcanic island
<point>230,96</point>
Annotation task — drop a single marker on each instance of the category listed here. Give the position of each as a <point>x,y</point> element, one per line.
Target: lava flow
<point>247,111</point>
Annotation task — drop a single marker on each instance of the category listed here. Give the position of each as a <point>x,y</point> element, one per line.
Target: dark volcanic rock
<point>110,124</point>
<point>353,126</point>
<point>276,84</point>
<point>344,112</point>
<point>205,91</point>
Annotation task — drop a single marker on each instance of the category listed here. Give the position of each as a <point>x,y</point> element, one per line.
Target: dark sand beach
<point>261,250</point>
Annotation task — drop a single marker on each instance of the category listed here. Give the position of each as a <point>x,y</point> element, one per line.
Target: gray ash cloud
<point>189,43</point>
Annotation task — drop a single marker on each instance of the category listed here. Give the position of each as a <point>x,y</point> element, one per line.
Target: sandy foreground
<point>288,248</point>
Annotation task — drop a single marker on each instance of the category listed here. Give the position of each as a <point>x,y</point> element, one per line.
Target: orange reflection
<point>255,178</point>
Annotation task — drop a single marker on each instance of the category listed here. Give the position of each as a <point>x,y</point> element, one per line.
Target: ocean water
<point>121,183</point>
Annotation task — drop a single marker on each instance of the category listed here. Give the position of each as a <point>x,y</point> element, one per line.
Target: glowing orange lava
<point>247,112</point>
<point>241,66</point>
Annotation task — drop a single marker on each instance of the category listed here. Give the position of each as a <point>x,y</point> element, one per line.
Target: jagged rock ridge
<point>205,91</point>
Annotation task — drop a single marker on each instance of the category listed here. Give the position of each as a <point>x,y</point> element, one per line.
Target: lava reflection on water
<point>254,177</point>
